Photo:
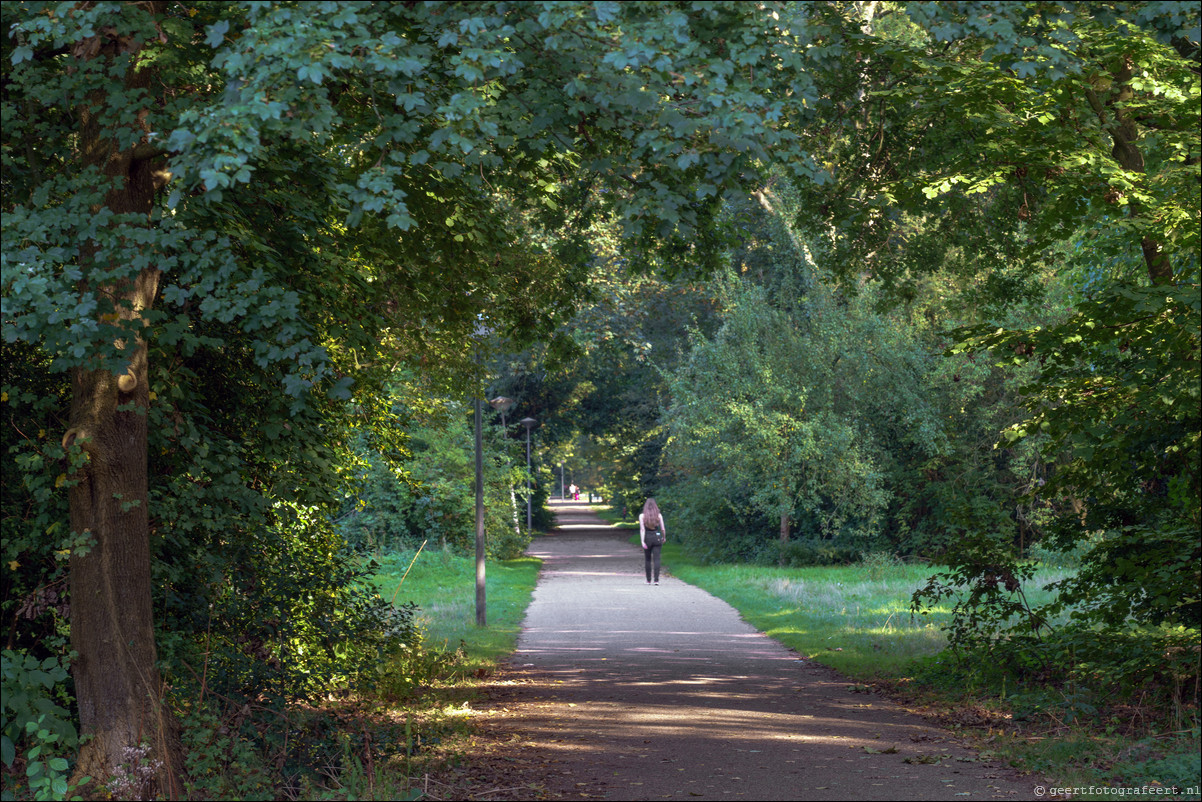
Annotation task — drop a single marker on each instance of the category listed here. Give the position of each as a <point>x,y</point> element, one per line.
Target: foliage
<point>412,665</point>
<point>991,613</point>
<point>426,495</point>
<point>1117,400</point>
<point>264,216</point>
<point>320,751</point>
<point>36,540</point>
<point>705,517</point>
<point>37,726</point>
<point>764,421</point>
<point>223,757</point>
<point>985,121</point>
<point>797,407</point>
<point>241,210</point>
<point>598,388</point>
<point>1176,769</point>
<point>1000,149</point>
<point>296,622</point>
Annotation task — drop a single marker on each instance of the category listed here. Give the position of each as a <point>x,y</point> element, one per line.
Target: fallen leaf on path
<point>924,759</point>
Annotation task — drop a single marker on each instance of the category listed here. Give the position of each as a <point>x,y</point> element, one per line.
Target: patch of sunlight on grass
<point>443,586</point>
<point>844,616</point>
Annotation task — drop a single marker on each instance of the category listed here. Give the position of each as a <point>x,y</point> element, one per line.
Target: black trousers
<point>651,558</point>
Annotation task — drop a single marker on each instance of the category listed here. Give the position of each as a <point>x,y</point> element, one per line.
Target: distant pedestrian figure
<point>653,533</point>
<point>575,491</point>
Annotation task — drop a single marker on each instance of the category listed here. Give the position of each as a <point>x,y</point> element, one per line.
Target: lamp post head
<point>501,403</point>
<point>528,422</point>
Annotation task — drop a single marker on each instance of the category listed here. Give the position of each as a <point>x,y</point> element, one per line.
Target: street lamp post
<point>481,332</point>
<point>481,615</point>
<point>528,423</point>
<point>502,404</point>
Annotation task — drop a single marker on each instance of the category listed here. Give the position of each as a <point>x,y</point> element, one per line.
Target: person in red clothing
<point>653,534</point>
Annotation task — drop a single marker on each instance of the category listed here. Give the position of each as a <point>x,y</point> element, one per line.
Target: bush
<point>702,517</point>
<point>34,725</point>
<point>1051,557</point>
<point>427,495</point>
<point>1159,665</point>
<point>798,553</point>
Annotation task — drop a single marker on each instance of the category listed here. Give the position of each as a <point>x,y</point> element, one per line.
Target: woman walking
<point>652,533</point>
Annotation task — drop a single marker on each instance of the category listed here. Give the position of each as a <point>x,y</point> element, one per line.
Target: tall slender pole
<point>528,423</point>
<point>529,525</point>
<point>481,615</point>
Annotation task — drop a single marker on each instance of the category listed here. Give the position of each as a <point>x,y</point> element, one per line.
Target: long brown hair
<point>651,517</point>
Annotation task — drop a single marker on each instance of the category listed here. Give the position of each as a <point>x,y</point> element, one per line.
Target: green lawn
<point>443,585</point>
<point>856,618</point>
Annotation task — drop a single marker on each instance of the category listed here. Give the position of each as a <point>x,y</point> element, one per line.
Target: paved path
<point>663,692</point>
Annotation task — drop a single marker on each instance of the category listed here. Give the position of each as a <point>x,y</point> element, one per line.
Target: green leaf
<point>215,33</point>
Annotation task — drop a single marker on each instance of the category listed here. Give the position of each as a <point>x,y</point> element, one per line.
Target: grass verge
<point>443,586</point>
<point>431,689</point>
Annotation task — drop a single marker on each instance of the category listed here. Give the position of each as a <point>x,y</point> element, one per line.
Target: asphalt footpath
<point>663,692</point>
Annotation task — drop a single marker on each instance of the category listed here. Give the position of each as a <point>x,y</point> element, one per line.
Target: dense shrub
<point>797,553</point>
<point>426,494</point>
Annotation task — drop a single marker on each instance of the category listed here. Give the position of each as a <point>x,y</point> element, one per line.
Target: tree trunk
<point>1124,133</point>
<point>784,535</point>
<point>117,682</point>
<point>116,675</point>
<point>513,504</point>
